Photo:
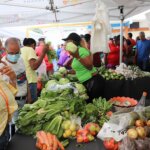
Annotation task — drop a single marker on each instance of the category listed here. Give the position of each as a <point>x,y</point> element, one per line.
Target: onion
<point>139,123</point>
<point>141,132</point>
<point>132,133</point>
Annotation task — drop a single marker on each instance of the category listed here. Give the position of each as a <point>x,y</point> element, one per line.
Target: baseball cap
<point>74,37</point>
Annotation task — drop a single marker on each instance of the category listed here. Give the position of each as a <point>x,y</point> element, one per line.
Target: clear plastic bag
<point>127,144</point>
<point>56,87</point>
<point>41,71</point>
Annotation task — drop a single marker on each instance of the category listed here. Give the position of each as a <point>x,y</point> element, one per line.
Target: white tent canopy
<point>34,12</point>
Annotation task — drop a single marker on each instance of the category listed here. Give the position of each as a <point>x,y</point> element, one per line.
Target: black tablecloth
<point>131,88</point>
<point>20,142</point>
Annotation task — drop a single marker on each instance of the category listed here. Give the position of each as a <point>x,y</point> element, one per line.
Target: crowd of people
<point>135,52</point>
<point>19,64</point>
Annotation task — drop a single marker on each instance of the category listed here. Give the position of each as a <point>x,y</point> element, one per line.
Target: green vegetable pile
<point>48,114</point>
<point>64,88</point>
<point>109,74</point>
<point>97,111</point>
<point>61,73</point>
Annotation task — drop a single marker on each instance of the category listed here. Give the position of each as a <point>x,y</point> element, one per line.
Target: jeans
<point>4,139</point>
<point>20,103</point>
<point>144,65</point>
<point>33,91</point>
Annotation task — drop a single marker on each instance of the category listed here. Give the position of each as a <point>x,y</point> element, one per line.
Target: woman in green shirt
<point>82,64</point>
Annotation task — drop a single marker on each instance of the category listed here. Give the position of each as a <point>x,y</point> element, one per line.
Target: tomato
<point>93,133</point>
<point>82,132</point>
<point>79,139</point>
<point>109,113</point>
<point>110,144</point>
<point>85,139</point>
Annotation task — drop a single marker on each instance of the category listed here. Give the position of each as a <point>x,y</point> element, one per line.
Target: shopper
<point>114,55</point>
<point>133,42</point>
<point>32,62</point>
<point>59,50</point>
<point>49,64</point>
<point>6,71</point>
<point>83,67</point>
<point>143,53</point>
<point>14,60</point>
<point>87,38</point>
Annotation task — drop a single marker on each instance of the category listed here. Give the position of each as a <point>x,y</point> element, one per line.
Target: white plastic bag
<point>41,71</point>
<point>110,130</point>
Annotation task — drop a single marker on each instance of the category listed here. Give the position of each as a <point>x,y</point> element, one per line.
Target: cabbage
<point>80,87</point>
<point>57,75</point>
<point>51,82</point>
<point>63,70</point>
<point>63,81</point>
<point>71,47</point>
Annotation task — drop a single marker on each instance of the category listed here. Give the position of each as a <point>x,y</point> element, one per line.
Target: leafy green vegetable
<point>62,70</point>
<point>63,81</point>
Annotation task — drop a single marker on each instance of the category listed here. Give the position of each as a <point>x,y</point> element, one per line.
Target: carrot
<point>43,134</point>
<point>44,147</point>
<point>40,145</point>
<point>55,143</point>
<point>50,139</point>
<point>60,145</point>
<point>39,137</point>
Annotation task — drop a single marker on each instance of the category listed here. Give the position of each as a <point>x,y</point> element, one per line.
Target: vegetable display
<point>122,72</point>
<point>64,87</point>
<point>48,115</point>
<point>131,72</point>
<point>61,114</point>
<point>97,111</point>
<point>61,73</point>
<point>109,74</point>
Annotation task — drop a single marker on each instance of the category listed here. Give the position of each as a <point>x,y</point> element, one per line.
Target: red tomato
<point>85,139</point>
<point>109,113</point>
<point>79,139</point>
<point>109,144</point>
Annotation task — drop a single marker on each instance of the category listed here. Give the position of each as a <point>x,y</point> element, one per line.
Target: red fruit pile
<point>87,134</point>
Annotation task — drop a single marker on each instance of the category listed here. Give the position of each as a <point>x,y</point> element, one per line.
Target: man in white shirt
<point>14,60</point>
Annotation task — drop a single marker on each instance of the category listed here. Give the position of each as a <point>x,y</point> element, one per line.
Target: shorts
<point>33,91</point>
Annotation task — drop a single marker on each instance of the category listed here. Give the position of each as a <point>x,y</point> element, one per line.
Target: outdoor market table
<point>130,88</point>
<point>21,142</point>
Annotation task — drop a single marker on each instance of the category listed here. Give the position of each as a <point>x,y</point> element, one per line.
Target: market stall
<point>62,112</point>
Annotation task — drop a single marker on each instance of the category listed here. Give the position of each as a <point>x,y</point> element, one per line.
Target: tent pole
<point>121,31</point>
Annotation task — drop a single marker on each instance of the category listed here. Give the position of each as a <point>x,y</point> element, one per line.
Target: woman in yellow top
<point>82,64</point>
<point>6,109</point>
